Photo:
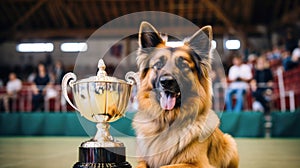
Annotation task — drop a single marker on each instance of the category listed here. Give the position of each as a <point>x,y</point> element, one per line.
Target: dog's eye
<point>182,64</point>
<point>158,65</point>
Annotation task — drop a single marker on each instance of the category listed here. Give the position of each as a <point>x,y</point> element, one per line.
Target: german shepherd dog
<point>175,125</point>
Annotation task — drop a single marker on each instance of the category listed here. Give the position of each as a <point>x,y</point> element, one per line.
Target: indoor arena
<point>149,83</point>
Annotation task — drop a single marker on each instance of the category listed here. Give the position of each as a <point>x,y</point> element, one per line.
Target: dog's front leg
<point>183,165</point>
<point>142,164</point>
<point>179,165</point>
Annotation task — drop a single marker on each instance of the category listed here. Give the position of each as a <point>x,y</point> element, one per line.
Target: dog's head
<point>174,74</point>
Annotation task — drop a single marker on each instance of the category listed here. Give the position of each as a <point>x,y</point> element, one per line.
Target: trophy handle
<point>132,78</point>
<point>69,79</point>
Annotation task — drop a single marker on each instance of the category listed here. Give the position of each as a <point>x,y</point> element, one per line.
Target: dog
<point>175,126</point>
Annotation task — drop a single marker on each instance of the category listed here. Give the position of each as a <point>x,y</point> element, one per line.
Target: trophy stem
<point>103,136</point>
<point>103,133</point>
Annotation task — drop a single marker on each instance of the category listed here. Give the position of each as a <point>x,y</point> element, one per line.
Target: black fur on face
<point>173,71</point>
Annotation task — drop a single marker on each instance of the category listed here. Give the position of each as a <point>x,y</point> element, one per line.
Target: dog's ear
<point>200,42</point>
<point>148,36</point>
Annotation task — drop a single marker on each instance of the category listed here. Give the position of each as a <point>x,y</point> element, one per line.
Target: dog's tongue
<point>167,101</point>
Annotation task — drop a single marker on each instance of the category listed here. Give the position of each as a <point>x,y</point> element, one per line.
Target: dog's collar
<point>211,123</point>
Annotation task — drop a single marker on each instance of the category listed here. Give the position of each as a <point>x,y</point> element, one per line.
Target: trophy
<point>100,99</point>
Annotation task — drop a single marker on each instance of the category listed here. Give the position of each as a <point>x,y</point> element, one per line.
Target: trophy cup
<point>101,99</point>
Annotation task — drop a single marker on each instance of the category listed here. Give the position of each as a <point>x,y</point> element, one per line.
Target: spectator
<point>296,54</point>
<point>275,54</point>
<point>31,77</point>
<point>238,77</point>
<point>251,61</point>
<point>13,86</point>
<point>40,83</point>
<point>289,62</point>
<point>51,91</point>
<point>59,72</point>
<point>262,85</point>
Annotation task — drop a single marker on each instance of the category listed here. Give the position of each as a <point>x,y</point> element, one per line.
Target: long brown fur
<point>187,136</point>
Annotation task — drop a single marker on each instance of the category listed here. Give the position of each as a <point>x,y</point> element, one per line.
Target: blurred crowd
<point>252,75</point>
<point>40,82</point>
<point>256,76</point>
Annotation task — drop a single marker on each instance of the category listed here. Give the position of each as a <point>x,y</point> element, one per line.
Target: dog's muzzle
<point>169,92</point>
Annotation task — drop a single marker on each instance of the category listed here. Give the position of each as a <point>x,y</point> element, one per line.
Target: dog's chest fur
<point>160,149</point>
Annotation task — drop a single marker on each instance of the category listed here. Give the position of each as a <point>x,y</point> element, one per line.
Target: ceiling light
<point>35,47</point>
<point>73,47</point>
<point>233,44</point>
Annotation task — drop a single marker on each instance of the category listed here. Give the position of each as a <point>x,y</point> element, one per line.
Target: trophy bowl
<point>100,99</point>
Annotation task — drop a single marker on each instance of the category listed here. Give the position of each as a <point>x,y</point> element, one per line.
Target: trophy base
<point>102,157</point>
<point>102,165</point>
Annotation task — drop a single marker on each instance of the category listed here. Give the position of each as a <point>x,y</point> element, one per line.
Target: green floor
<point>61,152</point>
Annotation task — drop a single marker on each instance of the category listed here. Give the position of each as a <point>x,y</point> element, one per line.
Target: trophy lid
<point>101,76</point>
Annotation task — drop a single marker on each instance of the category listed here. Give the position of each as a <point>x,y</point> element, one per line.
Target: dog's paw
<point>179,166</point>
<point>142,164</point>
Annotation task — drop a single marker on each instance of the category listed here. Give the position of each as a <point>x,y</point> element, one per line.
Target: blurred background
<point>54,32</point>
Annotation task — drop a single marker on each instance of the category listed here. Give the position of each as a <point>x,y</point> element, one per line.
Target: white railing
<point>53,99</point>
<point>285,93</point>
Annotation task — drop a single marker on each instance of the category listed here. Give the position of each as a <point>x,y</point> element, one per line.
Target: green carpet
<point>61,152</point>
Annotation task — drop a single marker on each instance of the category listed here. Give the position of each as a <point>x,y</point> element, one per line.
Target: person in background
<point>13,86</point>
<point>51,91</point>
<point>238,77</point>
<point>59,72</point>
<point>275,54</point>
<point>262,85</point>
<point>39,86</point>
<point>251,61</point>
<point>289,61</point>
<point>296,55</point>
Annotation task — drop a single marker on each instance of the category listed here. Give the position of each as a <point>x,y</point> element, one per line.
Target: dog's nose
<point>167,81</point>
